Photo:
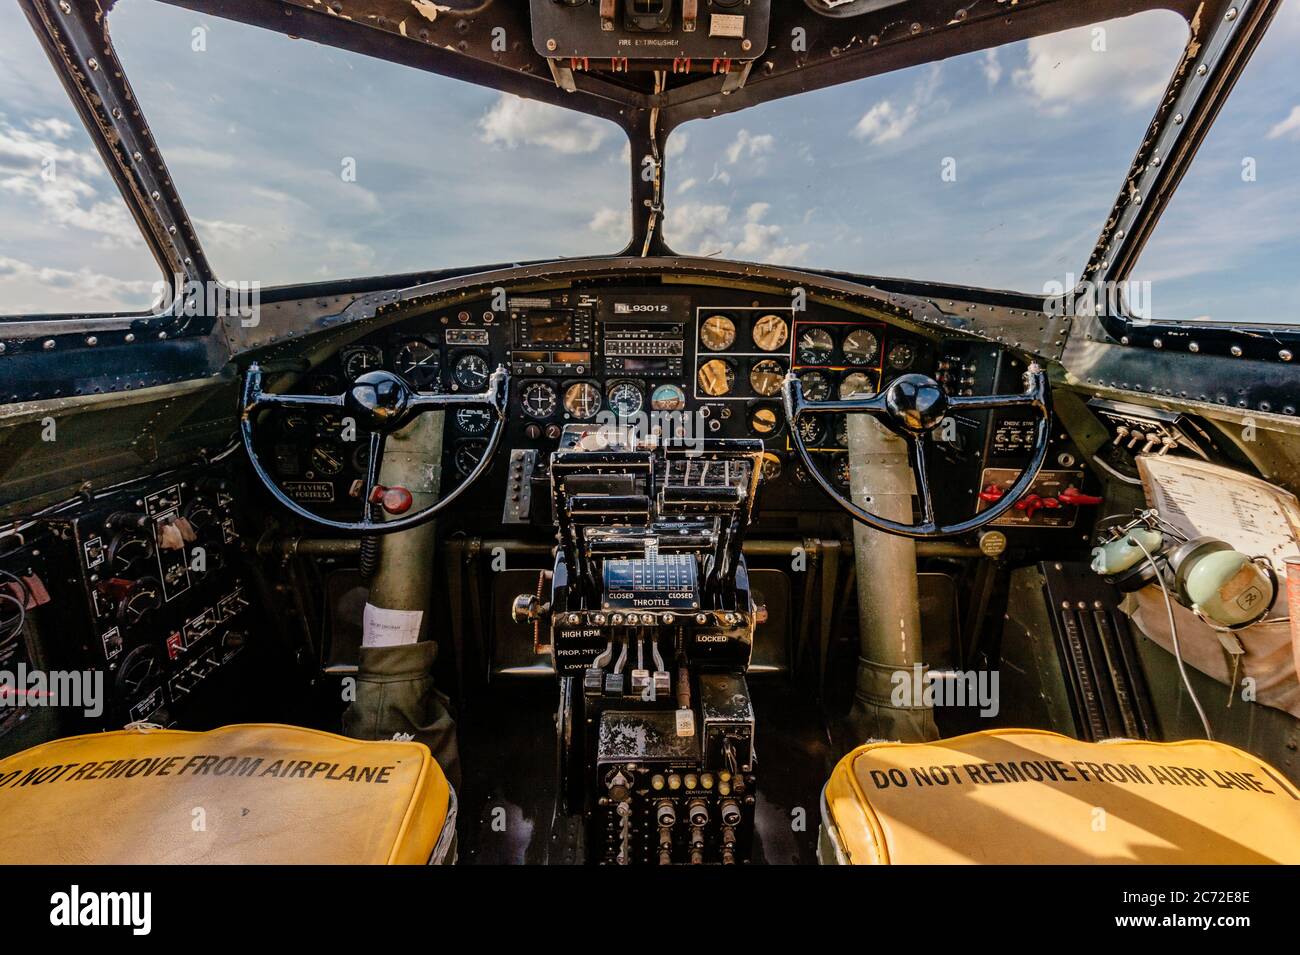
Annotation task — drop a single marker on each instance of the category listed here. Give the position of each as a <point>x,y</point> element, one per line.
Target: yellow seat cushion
<point>246,793</point>
<point>1029,796</point>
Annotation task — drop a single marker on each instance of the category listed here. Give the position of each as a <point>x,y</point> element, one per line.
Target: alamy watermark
<point>74,689</point>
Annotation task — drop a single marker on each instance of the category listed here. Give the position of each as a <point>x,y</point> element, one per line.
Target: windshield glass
<point>67,241</point>
<point>300,162</point>
<point>995,169</point>
<point>1227,247</point>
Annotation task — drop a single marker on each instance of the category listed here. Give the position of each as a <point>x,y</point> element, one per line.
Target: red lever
<point>1072,495</point>
<point>991,493</point>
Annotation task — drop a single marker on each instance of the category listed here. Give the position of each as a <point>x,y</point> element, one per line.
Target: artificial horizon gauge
<point>473,420</point>
<point>538,399</point>
<point>861,347</point>
<point>855,383</point>
<point>718,332</point>
<point>716,377</point>
<point>667,398</point>
<point>582,399</point>
<point>358,361</point>
<point>900,356</point>
<point>816,386</point>
<point>814,347</point>
<point>418,362</point>
<point>468,455</point>
<point>471,372</point>
<point>770,332</point>
<point>766,377</point>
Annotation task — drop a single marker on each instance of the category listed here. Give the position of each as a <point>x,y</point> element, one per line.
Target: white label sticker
<point>685,722</point>
<point>389,628</point>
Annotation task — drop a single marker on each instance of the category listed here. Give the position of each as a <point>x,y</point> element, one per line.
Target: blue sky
<point>994,169</point>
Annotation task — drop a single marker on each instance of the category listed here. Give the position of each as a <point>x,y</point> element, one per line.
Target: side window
<point>1226,248</point>
<point>67,241</point>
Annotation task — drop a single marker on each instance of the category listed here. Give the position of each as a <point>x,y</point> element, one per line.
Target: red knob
<point>395,500</point>
<point>991,493</point>
<point>1072,495</point>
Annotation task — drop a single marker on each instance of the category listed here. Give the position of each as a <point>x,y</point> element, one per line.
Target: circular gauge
<point>718,332</point>
<point>471,372</point>
<point>329,425</point>
<point>468,455</point>
<point>667,398</point>
<point>625,399</point>
<point>139,671</point>
<point>127,550</point>
<point>771,332</point>
<point>716,377</point>
<point>419,363</point>
<point>294,423</point>
<point>324,385</point>
<point>764,420</point>
<point>538,399</point>
<point>816,386</point>
<point>840,430</point>
<point>288,459</point>
<point>361,456</point>
<point>771,466</point>
<point>814,347</point>
<point>901,356</point>
<point>473,420</point>
<point>811,430</point>
<point>582,399</point>
<point>766,377</point>
<point>325,459</point>
<point>855,383</point>
<point>840,470</point>
<point>361,360</point>
<point>861,347</point>
<point>144,597</point>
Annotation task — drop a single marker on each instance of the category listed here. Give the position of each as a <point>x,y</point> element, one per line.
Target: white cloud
<point>686,185</point>
<point>1289,127</point>
<point>63,183</point>
<point>513,121</point>
<point>614,224</point>
<point>747,145</point>
<point>883,123</point>
<point>30,289</point>
<point>991,67</point>
<point>1125,62</point>
<point>713,229</point>
<point>51,126</point>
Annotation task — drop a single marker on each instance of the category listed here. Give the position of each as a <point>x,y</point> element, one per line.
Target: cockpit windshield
<point>321,163</point>
<point>995,169</point>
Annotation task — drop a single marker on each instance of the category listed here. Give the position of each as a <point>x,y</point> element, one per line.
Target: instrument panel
<point>678,361</point>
